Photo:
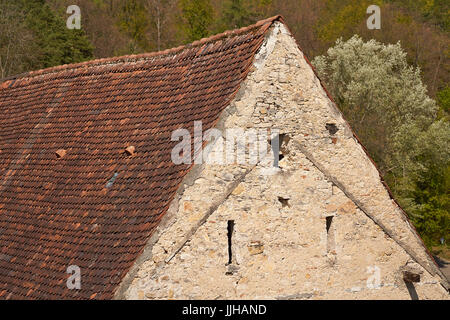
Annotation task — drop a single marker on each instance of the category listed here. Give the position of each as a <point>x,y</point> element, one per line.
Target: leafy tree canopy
<point>48,41</point>
<point>198,17</point>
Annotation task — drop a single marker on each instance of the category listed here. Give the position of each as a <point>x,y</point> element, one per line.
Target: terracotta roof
<point>69,193</point>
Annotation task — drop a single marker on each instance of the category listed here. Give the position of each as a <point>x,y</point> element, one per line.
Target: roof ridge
<point>142,56</point>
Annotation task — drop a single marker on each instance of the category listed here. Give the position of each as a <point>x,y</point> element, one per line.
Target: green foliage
<point>377,91</point>
<point>341,16</point>
<point>56,44</point>
<point>48,41</point>
<point>437,11</point>
<point>197,18</point>
<point>133,21</point>
<point>387,105</point>
<point>241,13</point>
<point>16,41</point>
<point>443,98</point>
<point>236,14</point>
<point>432,217</point>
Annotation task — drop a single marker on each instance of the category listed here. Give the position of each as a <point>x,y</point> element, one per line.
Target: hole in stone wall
<point>332,128</point>
<point>329,221</point>
<point>284,202</point>
<point>279,147</point>
<point>330,235</point>
<point>284,140</point>
<point>230,229</point>
<point>275,145</point>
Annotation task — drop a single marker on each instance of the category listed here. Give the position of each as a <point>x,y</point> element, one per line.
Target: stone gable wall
<point>283,244</point>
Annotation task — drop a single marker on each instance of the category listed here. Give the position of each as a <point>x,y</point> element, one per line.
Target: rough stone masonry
<point>321,226</point>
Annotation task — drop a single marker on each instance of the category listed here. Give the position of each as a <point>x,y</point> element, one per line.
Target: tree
<point>425,191</point>
<point>376,89</point>
<point>34,37</point>
<point>16,41</point>
<point>436,11</point>
<point>160,14</point>
<point>341,17</point>
<point>241,13</point>
<point>133,21</point>
<point>236,14</point>
<point>197,16</point>
<point>100,24</point>
<point>387,105</point>
<point>443,98</point>
<point>57,44</point>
